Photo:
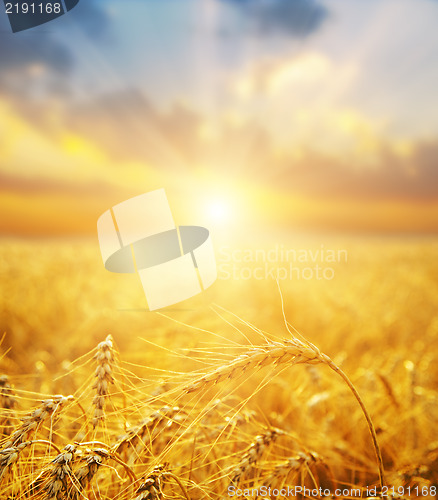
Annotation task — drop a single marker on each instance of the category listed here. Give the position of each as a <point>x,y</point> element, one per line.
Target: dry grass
<point>195,401</point>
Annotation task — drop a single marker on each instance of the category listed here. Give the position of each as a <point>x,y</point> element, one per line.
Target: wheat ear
<point>150,428</point>
<point>84,474</point>
<point>9,456</point>
<point>35,419</point>
<point>296,463</point>
<point>105,361</point>
<point>289,352</point>
<point>253,454</point>
<point>7,401</point>
<point>61,471</point>
<point>151,488</point>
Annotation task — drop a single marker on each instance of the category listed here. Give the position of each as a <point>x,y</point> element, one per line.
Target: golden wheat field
<point>219,397</point>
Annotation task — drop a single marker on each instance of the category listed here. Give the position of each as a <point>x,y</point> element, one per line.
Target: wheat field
<point>234,393</point>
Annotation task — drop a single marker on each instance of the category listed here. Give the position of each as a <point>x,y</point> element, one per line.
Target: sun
<point>218,210</point>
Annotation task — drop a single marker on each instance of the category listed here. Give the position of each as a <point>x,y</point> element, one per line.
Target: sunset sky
<point>299,114</point>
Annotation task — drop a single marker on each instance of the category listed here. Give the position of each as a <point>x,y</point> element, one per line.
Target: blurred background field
<point>377,319</point>
<point>384,296</point>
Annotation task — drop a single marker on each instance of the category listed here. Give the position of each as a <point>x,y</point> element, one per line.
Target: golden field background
<point>376,319</point>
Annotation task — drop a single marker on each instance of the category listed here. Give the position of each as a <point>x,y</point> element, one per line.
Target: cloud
<point>93,18</point>
<point>269,77</point>
<point>40,59</point>
<point>367,165</point>
<point>409,177</point>
<point>32,185</point>
<point>121,145</point>
<point>129,127</point>
<point>356,161</point>
<point>296,18</point>
<point>31,48</point>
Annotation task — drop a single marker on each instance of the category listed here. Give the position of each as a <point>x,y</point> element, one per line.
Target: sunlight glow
<point>219,210</point>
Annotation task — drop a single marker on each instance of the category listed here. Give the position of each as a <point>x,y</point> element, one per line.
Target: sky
<point>300,114</point>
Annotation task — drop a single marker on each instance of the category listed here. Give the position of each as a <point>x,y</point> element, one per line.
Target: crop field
<point>257,387</point>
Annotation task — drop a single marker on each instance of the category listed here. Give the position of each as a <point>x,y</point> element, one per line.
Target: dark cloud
<point>40,59</point>
<point>35,46</point>
<point>298,18</point>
